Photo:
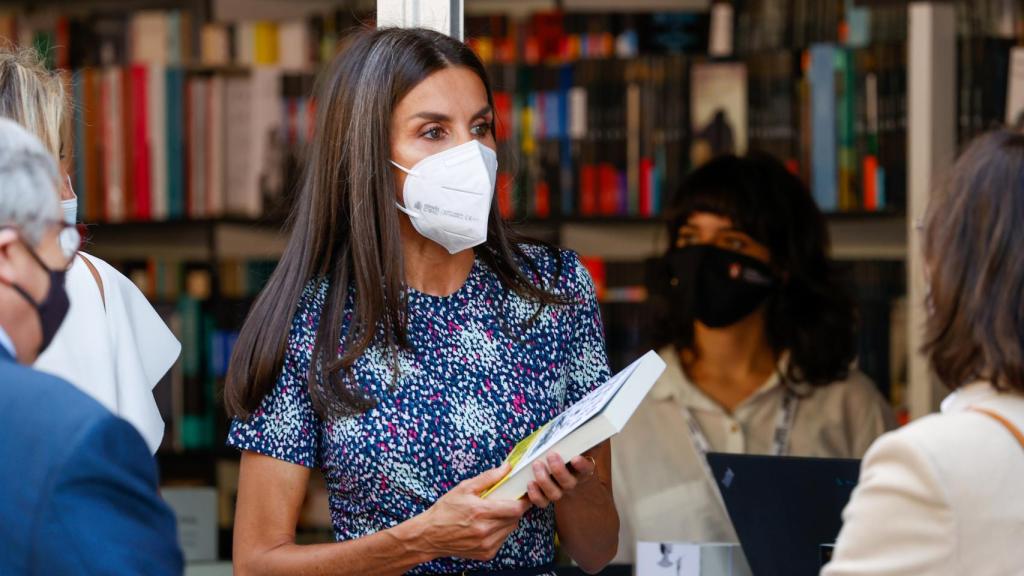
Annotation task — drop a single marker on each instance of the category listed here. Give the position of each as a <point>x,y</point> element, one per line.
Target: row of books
<point>592,138</point>
<point>103,38</point>
<point>560,37</point>
<point>157,143</point>
<point>772,25</point>
<point>992,18</point>
<point>616,137</point>
<point>204,304</point>
<point>857,104</point>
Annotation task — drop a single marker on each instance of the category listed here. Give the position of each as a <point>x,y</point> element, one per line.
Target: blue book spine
<point>824,148</point>
<point>175,144</point>
<point>880,187</point>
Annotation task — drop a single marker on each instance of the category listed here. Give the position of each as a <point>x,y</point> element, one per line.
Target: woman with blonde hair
<point>112,345</point>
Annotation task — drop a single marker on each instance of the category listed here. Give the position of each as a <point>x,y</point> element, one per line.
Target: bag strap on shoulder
<point>1002,420</point>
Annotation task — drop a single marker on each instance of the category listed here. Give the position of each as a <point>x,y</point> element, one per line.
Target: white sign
<point>667,559</point>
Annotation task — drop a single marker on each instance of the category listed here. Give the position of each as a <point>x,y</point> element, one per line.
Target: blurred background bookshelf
<point>190,120</point>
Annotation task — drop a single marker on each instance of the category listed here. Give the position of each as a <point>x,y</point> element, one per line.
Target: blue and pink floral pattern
<point>475,379</point>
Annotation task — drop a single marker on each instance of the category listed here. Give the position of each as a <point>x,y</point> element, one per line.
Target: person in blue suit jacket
<point>78,487</point>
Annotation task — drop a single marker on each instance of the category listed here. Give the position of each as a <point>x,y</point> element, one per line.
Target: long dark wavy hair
<point>345,227</point>
<point>811,315</point>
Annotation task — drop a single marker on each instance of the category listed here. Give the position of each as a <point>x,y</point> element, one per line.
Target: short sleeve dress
<point>475,379</point>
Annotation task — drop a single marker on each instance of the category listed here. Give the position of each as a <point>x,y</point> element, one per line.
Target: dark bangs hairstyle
<point>345,227</point>
<point>810,315</point>
<point>974,258</point>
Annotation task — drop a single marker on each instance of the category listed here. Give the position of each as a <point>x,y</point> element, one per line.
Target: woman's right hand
<point>464,525</point>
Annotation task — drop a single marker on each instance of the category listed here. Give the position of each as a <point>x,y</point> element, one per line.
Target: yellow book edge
<point>516,455</point>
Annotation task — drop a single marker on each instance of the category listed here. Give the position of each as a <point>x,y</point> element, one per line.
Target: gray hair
<point>28,183</point>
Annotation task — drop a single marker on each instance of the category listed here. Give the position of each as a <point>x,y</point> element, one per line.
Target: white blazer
<point>942,496</point>
<point>114,348</point>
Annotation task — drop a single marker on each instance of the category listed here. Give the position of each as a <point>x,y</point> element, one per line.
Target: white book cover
<point>149,33</point>
<point>215,46</point>
<point>238,153</point>
<point>266,125</point>
<point>293,45</point>
<point>596,417</point>
<point>245,43</point>
<point>1015,87</point>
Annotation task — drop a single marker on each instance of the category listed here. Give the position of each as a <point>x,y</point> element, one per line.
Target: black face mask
<point>54,307</point>
<point>720,287</point>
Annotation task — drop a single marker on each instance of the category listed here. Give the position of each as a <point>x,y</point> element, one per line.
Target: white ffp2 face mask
<point>70,207</point>
<point>448,195</point>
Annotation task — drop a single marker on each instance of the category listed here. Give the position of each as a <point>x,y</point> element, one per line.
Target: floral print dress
<point>476,378</point>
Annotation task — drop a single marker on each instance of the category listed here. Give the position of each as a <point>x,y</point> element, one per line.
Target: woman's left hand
<point>555,480</point>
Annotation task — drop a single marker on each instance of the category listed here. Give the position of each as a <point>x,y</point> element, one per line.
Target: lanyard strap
<point>1002,420</point>
<point>784,420</point>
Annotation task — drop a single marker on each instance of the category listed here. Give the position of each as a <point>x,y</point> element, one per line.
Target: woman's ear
<point>8,269</point>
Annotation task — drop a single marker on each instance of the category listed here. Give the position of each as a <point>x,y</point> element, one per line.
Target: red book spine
<point>140,144</point>
<point>646,181</point>
<point>596,267</point>
<point>63,41</point>
<point>128,143</point>
<point>503,115</point>
<point>609,186</point>
<point>588,190</point>
<point>869,174</point>
<point>542,201</point>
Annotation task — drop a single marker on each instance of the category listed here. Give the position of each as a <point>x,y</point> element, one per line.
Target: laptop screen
<point>785,510</point>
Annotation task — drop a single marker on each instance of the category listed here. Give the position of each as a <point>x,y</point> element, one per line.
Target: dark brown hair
<point>345,227</point>
<point>810,315</point>
<point>974,254</point>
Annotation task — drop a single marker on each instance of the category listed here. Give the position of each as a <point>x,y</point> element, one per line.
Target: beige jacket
<point>942,496</point>
<point>661,488</point>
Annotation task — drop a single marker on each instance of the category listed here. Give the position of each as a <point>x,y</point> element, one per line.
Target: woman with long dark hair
<point>409,338</point>
<point>758,336</point>
<point>942,495</point>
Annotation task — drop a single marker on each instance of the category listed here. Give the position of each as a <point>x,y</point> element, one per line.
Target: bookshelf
<point>225,249</point>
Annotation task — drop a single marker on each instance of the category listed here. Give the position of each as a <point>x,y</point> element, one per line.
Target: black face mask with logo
<point>54,306</point>
<point>719,287</point>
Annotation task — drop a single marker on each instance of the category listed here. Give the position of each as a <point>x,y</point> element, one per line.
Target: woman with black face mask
<point>758,336</point>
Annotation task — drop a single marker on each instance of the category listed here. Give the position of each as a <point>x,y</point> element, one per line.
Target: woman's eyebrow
<point>432,116</point>
<point>441,117</point>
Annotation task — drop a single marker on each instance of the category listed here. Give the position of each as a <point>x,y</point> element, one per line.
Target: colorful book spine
<point>824,150</point>
<point>140,149</point>
<point>176,172</point>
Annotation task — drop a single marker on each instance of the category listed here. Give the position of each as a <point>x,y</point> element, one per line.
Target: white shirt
<point>662,490</point>
<point>942,496</point>
<point>7,343</point>
<point>115,347</point>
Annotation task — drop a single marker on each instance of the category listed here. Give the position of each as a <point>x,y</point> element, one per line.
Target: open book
<point>595,418</point>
